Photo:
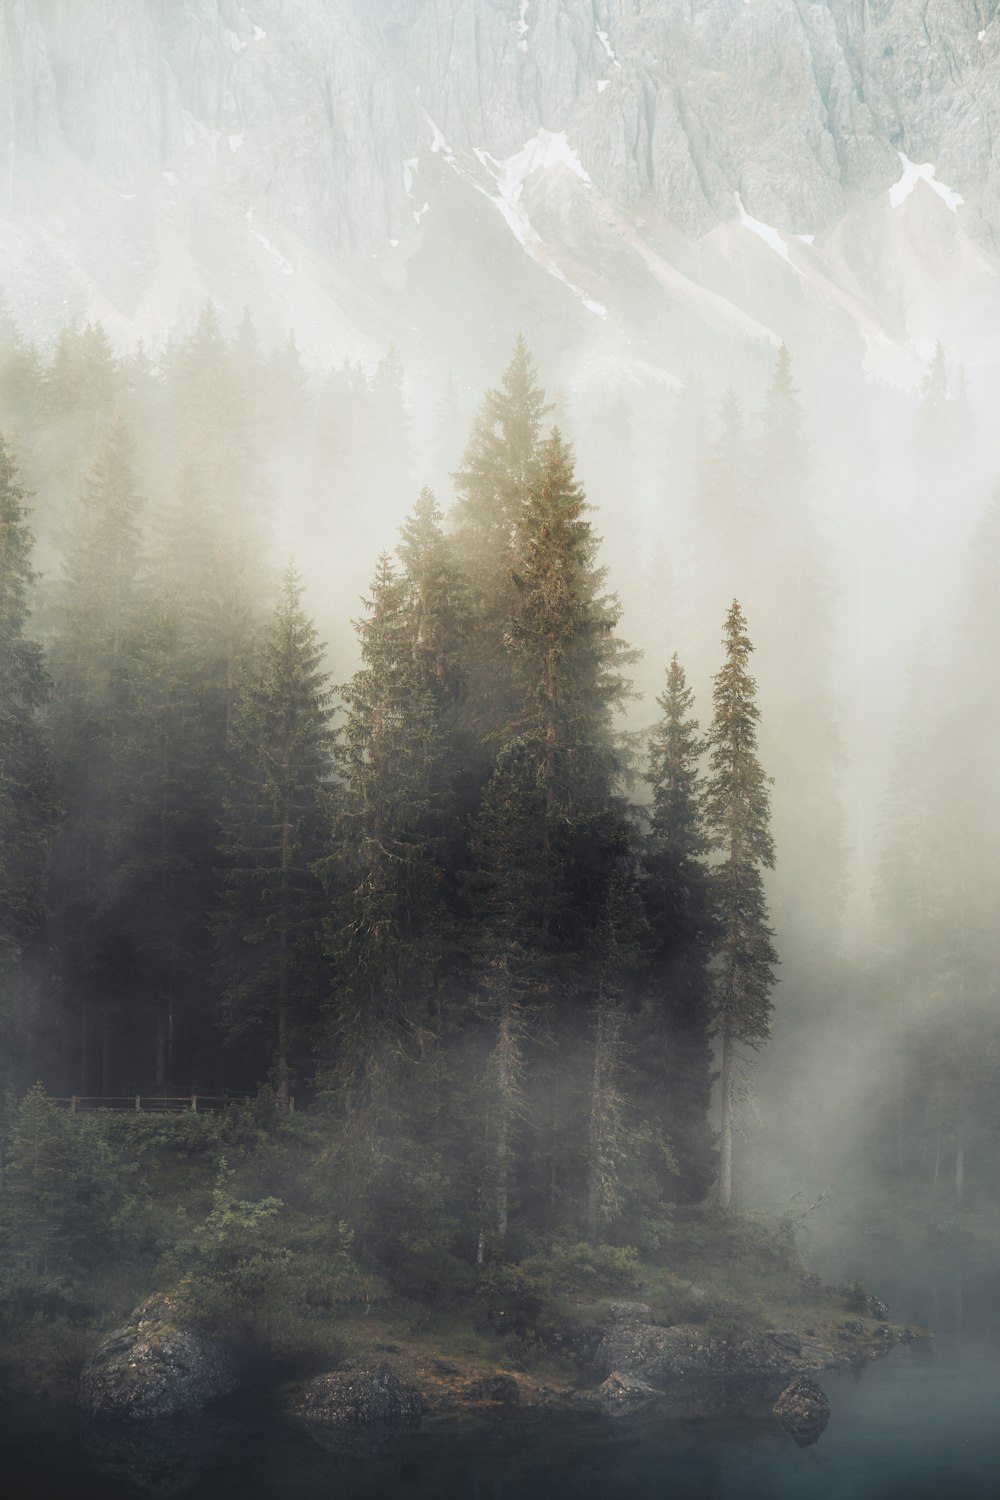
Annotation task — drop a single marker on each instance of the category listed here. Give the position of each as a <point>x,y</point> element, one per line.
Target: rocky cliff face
<point>343,161</point>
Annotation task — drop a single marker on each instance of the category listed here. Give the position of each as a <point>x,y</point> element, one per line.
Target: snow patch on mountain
<point>922,172</point>
<point>548,150</point>
<point>766,232</point>
<point>285,266</point>
<point>602,37</point>
<point>522,26</point>
<point>439,146</point>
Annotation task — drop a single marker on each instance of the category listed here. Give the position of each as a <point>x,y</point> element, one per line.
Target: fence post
<point>138,1103</point>
<point>72,1104</point>
<point>194,1102</point>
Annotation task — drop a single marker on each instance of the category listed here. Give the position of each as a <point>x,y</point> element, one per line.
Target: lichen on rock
<point>803,1410</point>
<point>157,1366</point>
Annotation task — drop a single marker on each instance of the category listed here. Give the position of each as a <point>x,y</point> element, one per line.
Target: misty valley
<point>499,750</point>
<point>450,1062</point>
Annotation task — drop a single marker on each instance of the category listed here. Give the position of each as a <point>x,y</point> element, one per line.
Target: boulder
<point>803,1411</point>
<point>684,1359</point>
<point>355,1397</point>
<point>157,1365</point>
<point>621,1393</point>
<point>496,1387</point>
<point>630,1312</point>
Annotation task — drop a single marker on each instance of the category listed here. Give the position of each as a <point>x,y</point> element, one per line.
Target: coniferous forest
<point>468,972</point>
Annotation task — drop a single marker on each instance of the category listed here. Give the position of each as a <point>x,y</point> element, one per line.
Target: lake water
<point>921,1424</point>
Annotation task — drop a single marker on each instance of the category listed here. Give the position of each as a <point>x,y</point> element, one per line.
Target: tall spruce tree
<point>508,847</point>
<point>558,778</point>
<point>737,819</point>
<point>383,935</point>
<point>499,467</point>
<point>273,833</point>
<point>676,887</point>
<point>568,668</point>
<point>95,659</point>
<point>27,798</point>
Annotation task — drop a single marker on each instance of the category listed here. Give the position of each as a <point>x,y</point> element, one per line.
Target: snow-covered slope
<point>639,183</point>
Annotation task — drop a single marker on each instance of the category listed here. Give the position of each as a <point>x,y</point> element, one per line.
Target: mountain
<point>635,182</point>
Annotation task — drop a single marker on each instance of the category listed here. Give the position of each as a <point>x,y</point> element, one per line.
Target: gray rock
<point>498,1387</point>
<point>621,1393</point>
<point>310,116</point>
<point>803,1411</point>
<point>683,1359</point>
<point>630,1312</point>
<point>157,1366</point>
<point>355,1398</point>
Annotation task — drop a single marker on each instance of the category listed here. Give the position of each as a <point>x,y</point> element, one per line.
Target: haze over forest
<point>500,549</point>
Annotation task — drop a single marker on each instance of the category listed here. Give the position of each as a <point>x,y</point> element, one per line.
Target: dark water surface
<point>923,1423</point>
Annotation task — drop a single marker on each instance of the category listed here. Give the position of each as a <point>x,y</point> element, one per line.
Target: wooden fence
<point>159,1104</point>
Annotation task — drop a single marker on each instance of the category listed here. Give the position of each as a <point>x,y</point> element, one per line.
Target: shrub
<point>585,1267</point>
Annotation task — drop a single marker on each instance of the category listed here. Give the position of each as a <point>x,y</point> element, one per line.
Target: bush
<point>585,1267</point>
<point>710,1236</point>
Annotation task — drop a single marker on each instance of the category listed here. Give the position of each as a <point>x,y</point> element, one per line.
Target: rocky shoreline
<point>157,1365</point>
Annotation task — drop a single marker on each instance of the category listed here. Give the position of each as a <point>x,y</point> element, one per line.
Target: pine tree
<point>678,907</point>
<point>448,437</point>
<point>27,798</point>
<point>790,585</point>
<point>934,426</point>
<point>726,504</point>
<point>65,1197</point>
<point>510,858</point>
<point>274,833</point>
<point>568,671</point>
<point>383,935</point>
<point>500,464</point>
<point>737,813</point>
<point>95,667</point>
<point>546,862</point>
<point>613,1144</point>
<point>79,393</point>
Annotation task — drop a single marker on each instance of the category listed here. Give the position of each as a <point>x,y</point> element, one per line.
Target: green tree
<point>676,887</point>
<point>383,934</point>
<point>27,796</point>
<point>568,669</point>
<point>737,820</point>
<point>500,464</point>
<point>792,601</point>
<point>509,857</point>
<point>552,829</point>
<point>65,1198</point>
<point>95,668</point>
<point>273,833</point>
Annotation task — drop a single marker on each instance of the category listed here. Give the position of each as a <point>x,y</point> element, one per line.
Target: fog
<point>851,519</point>
<point>499,794</point>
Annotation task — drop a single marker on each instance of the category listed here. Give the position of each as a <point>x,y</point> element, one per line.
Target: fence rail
<point>153,1103</point>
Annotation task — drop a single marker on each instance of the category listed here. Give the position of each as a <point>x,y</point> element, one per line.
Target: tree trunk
<point>282,1069</point>
<point>84,1047</point>
<point>604,1122</point>
<point>507,1071</point>
<point>105,1054</point>
<point>726,1136</point>
<point>959,1165</point>
<point>161,1049</point>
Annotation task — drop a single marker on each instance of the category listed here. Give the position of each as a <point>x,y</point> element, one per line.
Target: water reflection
<point>921,1423</point>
